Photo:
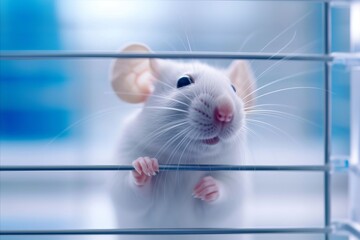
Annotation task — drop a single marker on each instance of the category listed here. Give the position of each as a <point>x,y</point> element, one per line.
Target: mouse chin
<point>211,141</point>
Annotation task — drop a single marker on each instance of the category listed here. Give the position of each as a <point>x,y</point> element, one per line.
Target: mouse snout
<point>214,118</point>
<point>224,110</point>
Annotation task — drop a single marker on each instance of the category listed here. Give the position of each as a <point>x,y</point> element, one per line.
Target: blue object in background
<point>340,82</point>
<point>26,108</point>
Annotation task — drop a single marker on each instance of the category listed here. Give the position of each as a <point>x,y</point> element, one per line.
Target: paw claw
<point>145,168</point>
<point>207,189</point>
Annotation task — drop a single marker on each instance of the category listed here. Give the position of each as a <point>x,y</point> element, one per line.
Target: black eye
<point>184,81</point>
<point>233,88</point>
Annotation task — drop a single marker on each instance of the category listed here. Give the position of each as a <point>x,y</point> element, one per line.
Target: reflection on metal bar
<point>338,58</point>
<point>31,55</point>
<point>351,228</point>
<point>170,231</point>
<point>348,59</point>
<point>187,167</point>
<point>327,116</point>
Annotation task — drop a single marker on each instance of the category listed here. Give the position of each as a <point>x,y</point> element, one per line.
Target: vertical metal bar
<point>354,177</point>
<point>327,117</point>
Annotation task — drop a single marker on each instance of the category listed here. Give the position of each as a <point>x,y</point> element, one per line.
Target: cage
<point>57,111</point>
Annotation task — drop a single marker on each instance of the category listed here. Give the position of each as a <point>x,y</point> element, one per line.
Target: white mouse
<point>192,114</point>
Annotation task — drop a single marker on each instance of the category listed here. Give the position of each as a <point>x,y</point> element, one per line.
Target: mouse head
<point>193,100</point>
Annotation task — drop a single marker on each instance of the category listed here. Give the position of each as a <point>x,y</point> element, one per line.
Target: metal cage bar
<point>39,55</point>
<point>182,167</point>
<point>327,117</point>
<point>171,231</point>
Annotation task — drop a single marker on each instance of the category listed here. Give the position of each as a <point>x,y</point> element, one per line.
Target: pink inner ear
<point>242,78</point>
<point>145,82</point>
<point>132,79</point>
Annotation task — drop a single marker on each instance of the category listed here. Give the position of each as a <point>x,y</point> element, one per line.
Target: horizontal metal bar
<point>340,58</point>
<point>188,167</point>
<point>32,55</point>
<point>170,231</point>
<point>334,1</point>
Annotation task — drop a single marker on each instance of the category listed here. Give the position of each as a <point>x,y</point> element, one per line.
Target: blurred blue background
<point>64,111</point>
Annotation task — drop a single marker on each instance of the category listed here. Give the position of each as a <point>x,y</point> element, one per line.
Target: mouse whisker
<point>285,115</point>
<point>170,86</point>
<point>178,145</point>
<point>153,95</point>
<point>247,39</point>
<point>273,65</point>
<point>167,108</point>
<point>172,140</point>
<point>285,89</point>
<point>247,131</point>
<point>286,29</point>
<point>165,148</point>
<point>277,53</point>
<point>184,140</point>
<point>158,132</point>
<point>176,34</point>
<point>188,42</point>
<point>276,37</point>
<point>250,131</point>
<point>292,76</point>
<point>262,123</point>
<point>177,136</point>
<point>270,105</point>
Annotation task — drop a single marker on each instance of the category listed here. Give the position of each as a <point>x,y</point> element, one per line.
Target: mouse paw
<point>207,189</point>
<point>145,168</point>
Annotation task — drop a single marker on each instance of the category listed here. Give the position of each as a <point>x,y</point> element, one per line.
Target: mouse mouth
<point>211,141</point>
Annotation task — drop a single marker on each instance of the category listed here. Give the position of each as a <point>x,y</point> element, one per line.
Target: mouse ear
<point>131,79</point>
<point>243,79</point>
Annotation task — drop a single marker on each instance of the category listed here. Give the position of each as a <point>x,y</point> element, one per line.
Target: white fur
<point>167,202</point>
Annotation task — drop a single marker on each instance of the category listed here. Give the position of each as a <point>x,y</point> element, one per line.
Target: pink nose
<point>224,112</point>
